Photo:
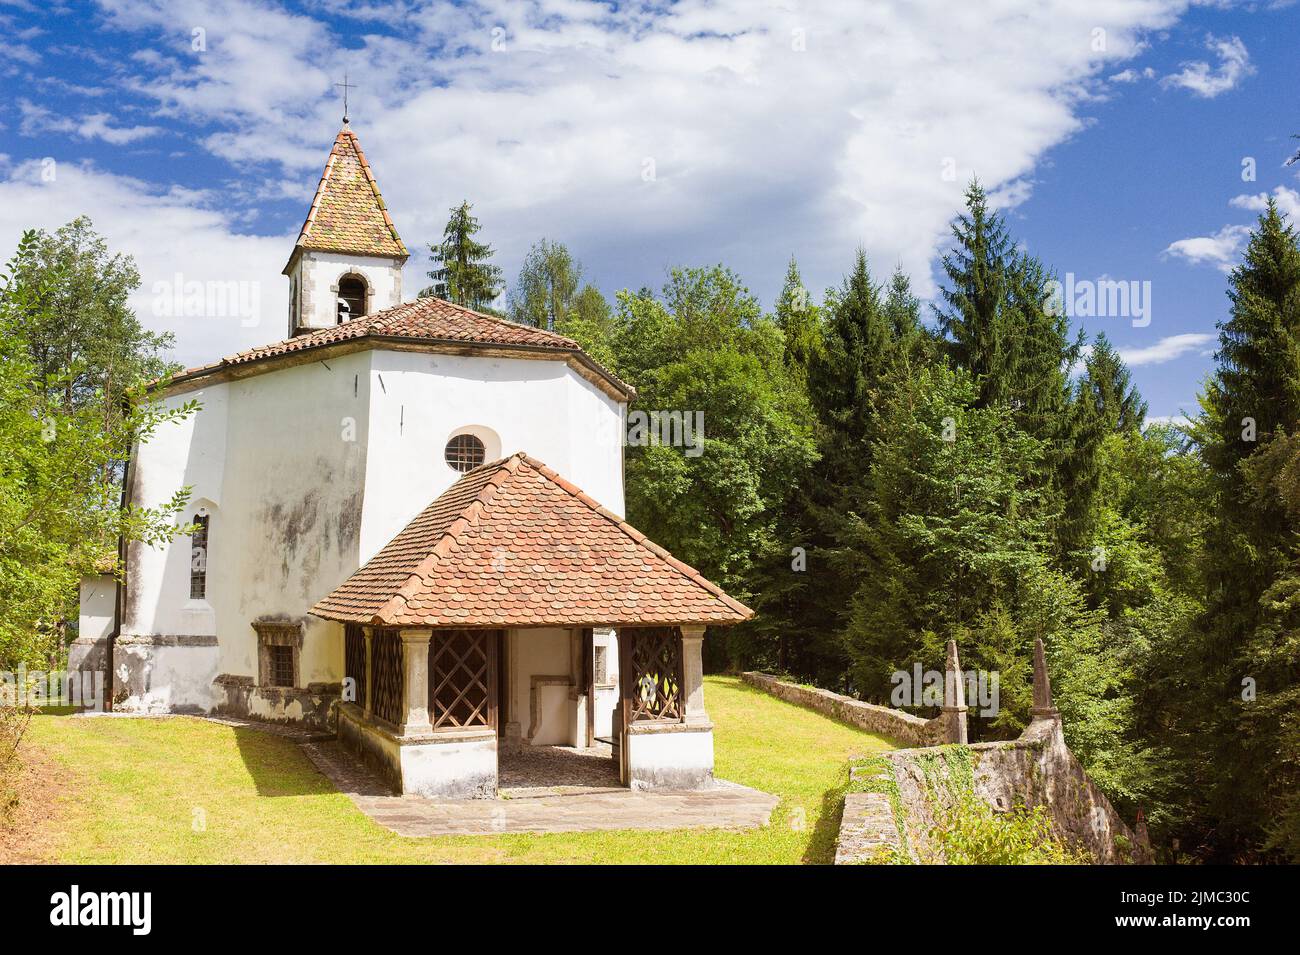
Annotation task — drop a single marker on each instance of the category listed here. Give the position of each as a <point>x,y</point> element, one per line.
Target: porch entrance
<point>558,694</point>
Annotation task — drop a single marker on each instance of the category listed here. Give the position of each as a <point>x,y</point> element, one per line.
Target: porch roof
<point>513,544</point>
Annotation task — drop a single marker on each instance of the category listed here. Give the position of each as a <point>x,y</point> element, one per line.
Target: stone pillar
<point>415,682</point>
<point>366,704</point>
<point>954,698</point>
<point>693,674</point>
<point>514,734</point>
<point>1042,708</point>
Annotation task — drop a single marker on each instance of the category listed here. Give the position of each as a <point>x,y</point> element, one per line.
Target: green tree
<point>85,342</point>
<point>59,460</point>
<point>704,346</point>
<point>461,272</point>
<point>800,321</point>
<point>547,287</point>
<point>592,324</point>
<point>1249,406</point>
<point>1002,324</point>
<point>1107,391</point>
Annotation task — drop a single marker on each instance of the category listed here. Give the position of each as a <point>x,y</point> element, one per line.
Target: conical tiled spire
<point>348,213</point>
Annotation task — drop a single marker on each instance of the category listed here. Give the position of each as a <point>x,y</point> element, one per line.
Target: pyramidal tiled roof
<point>431,320</point>
<point>348,212</point>
<point>513,544</point>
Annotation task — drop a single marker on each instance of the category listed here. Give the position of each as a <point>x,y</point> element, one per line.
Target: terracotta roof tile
<point>348,213</point>
<point>428,320</point>
<point>512,544</point>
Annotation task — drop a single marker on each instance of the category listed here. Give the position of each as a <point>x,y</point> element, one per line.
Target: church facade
<point>407,526</point>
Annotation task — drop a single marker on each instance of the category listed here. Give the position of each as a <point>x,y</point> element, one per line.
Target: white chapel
<point>407,530</point>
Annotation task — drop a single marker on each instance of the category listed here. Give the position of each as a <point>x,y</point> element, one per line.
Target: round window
<point>464,453</point>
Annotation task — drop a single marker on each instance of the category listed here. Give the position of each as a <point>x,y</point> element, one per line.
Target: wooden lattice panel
<point>462,678</point>
<point>386,675</point>
<point>652,674</point>
<point>354,660</point>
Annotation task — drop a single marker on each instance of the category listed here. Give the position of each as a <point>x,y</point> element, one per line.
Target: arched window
<point>464,453</point>
<point>352,297</point>
<point>199,558</point>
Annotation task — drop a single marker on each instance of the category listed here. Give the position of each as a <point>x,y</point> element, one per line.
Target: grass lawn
<point>135,788</point>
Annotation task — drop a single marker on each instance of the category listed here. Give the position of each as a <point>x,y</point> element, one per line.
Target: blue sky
<point>644,136</point>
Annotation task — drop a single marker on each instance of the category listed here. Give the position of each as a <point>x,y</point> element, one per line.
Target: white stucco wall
<point>278,461</point>
<point>306,471</point>
<point>98,596</point>
<point>676,757</point>
<point>543,652</point>
<point>418,401</point>
<point>318,274</point>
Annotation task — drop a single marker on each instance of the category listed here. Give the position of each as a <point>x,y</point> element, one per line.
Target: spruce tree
<point>1106,402</point>
<point>462,273</point>
<point>1249,407</point>
<point>974,322</point>
<point>800,320</point>
<point>1106,390</point>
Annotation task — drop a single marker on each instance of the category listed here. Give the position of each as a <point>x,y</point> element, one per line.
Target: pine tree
<point>1106,390</point>
<point>1001,327</point>
<point>863,357</point>
<point>461,272</point>
<point>800,320</point>
<point>1106,403</point>
<point>978,269</point>
<point>1248,408</point>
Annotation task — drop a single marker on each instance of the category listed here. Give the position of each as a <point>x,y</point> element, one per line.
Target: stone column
<point>415,682</point>
<point>693,673</point>
<point>1042,708</point>
<point>954,698</point>
<point>366,706</point>
<point>514,733</point>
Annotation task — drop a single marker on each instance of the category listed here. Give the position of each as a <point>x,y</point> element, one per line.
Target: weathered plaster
<point>669,755</point>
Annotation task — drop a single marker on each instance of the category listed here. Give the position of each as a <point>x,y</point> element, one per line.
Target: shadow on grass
<point>278,766</point>
<point>821,847</point>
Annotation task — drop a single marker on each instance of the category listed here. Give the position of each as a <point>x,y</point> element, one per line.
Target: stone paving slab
<point>725,806</point>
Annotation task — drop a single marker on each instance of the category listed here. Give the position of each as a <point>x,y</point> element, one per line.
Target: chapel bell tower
<point>348,259</point>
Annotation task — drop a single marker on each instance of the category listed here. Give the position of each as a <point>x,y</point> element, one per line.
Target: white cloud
<point>1223,248</point>
<point>1132,76</point>
<point>1204,80</point>
<point>1177,420</point>
<point>1166,349</point>
<point>168,232</point>
<point>1288,202</point>
<point>1220,249</point>
<point>771,130</point>
<point>37,119</point>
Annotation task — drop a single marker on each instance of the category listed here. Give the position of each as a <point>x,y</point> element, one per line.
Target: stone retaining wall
<point>1037,769</point>
<point>904,727</point>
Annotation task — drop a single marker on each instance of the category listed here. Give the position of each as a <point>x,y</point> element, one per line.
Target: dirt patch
<point>40,784</point>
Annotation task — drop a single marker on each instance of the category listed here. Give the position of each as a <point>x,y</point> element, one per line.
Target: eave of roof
<point>386,329</point>
<point>433,572</point>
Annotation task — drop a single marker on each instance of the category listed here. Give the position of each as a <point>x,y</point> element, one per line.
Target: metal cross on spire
<point>345,86</point>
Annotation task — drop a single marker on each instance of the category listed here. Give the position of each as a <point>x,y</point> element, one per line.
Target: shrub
<point>970,832</point>
<point>13,724</point>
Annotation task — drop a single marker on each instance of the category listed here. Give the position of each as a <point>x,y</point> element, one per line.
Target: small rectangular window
<point>602,665</point>
<point>281,665</point>
<point>199,559</point>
